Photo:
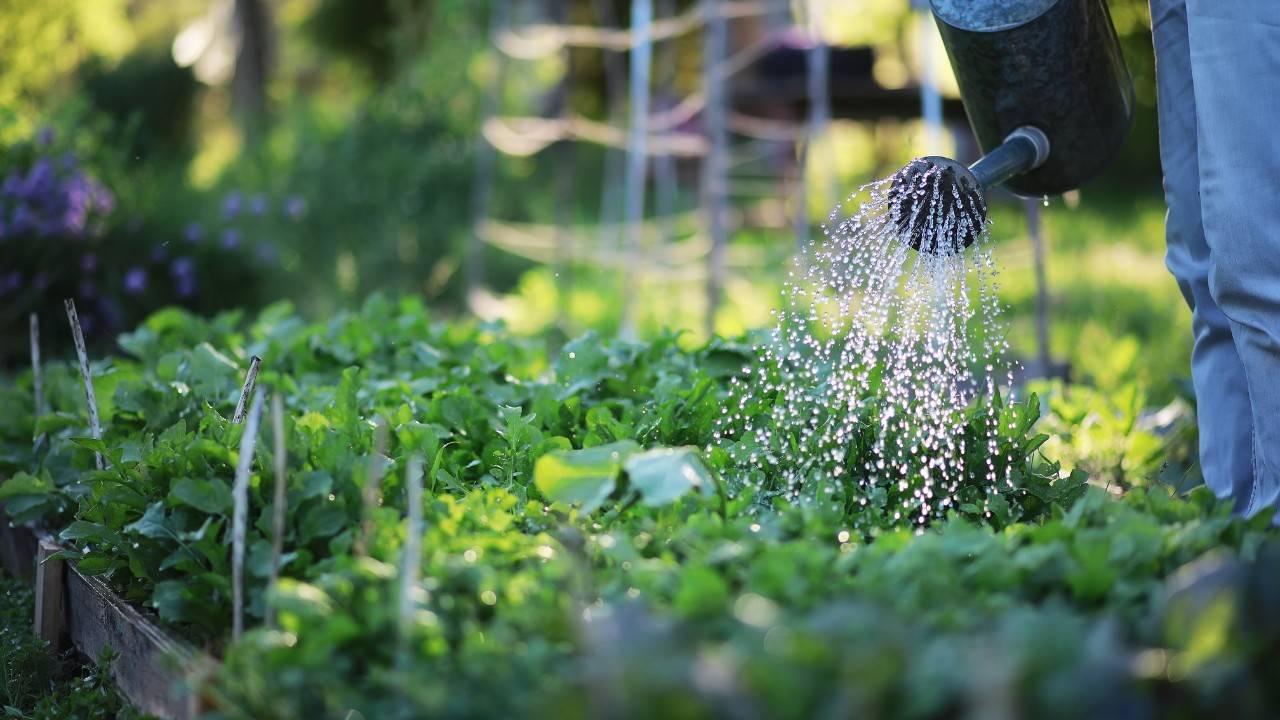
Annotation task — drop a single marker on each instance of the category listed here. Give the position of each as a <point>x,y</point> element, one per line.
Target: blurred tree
<point>42,43</point>
<point>253,63</point>
<point>149,100</point>
<point>363,31</point>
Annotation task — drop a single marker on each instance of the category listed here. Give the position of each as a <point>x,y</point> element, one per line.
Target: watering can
<point>1048,96</point>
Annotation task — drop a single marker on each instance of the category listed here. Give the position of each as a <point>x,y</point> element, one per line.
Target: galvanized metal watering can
<point>1048,96</point>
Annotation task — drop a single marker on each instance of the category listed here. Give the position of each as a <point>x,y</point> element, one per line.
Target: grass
<point>38,684</point>
<point>1115,312</point>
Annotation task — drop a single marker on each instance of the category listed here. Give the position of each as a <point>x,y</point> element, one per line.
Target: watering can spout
<point>939,187</point>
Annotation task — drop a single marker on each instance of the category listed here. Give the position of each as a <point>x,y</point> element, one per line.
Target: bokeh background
<point>557,165</point>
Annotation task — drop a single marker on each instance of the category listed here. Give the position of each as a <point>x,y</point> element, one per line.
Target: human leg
<point>1235,64</point>
<point>1222,396</point>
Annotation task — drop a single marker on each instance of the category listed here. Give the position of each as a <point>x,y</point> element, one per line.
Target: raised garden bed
<point>580,545</point>
<point>155,671</point>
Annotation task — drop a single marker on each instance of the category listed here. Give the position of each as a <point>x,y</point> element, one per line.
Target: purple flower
<point>258,205</point>
<point>231,205</point>
<point>135,281</point>
<point>185,286</point>
<point>183,267</point>
<point>230,238</point>
<point>267,253</point>
<point>12,182</point>
<point>22,219</point>
<point>44,138</point>
<point>10,282</point>
<point>88,262</point>
<point>193,233</point>
<point>294,207</point>
<point>50,201</point>
<point>40,181</point>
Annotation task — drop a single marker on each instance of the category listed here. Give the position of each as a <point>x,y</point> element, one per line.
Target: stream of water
<point>875,383</point>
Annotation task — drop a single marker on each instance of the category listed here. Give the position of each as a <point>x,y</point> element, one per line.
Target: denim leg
<point>1235,63</point>
<point>1222,396</point>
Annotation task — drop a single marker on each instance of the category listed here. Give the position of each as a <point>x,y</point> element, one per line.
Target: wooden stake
<point>372,487</point>
<point>278,502</point>
<point>77,335</point>
<point>715,182</point>
<point>411,554</point>
<point>37,376</point>
<point>50,585</point>
<point>250,380</point>
<point>637,160</point>
<point>240,516</point>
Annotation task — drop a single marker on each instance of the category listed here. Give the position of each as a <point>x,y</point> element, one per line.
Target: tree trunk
<point>253,64</point>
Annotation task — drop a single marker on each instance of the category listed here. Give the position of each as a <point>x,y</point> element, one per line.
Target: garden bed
<point>154,671</point>
<point>584,546</point>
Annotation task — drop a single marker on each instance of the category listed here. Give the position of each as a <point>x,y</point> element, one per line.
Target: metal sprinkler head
<point>937,205</point>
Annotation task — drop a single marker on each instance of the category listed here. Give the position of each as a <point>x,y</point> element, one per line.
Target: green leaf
<point>321,521</point>
<point>314,484</point>
<point>663,475</point>
<point>169,600</point>
<point>84,530</point>
<point>23,484</point>
<point>313,422</point>
<point>52,423</point>
<point>210,496</point>
<point>96,565</point>
<point>582,476</point>
<point>702,592</point>
<point>152,524</point>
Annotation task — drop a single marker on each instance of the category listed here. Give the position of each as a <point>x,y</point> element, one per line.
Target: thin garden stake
<point>240,516</point>
<point>715,183</point>
<point>250,380</point>
<point>77,334</point>
<point>411,553</point>
<point>637,160</point>
<point>372,486</point>
<point>278,501</point>
<point>37,378</point>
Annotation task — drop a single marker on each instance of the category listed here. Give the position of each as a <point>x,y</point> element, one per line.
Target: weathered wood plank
<point>151,668</point>
<point>50,618</point>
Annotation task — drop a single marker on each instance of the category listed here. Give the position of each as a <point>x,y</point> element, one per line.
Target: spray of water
<point>875,386</point>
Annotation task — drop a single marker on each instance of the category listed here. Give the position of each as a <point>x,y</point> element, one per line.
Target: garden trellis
<point>727,142</point>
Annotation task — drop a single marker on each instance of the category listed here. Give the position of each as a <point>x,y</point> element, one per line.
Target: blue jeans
<point>1218,83</point>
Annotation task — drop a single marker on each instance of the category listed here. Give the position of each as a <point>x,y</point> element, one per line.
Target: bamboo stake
<point>615,83</point>
<point>240,516</point>
<point>250,380</point>
<point>637,156</point>
<point>372,487</point>
<point>1035,230</point>
<point>411,554</point>
<point>37,377</point>
<point>77,334</point>
<point>715,182</point>
<point>486,161</point>
<point>277,503</point>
